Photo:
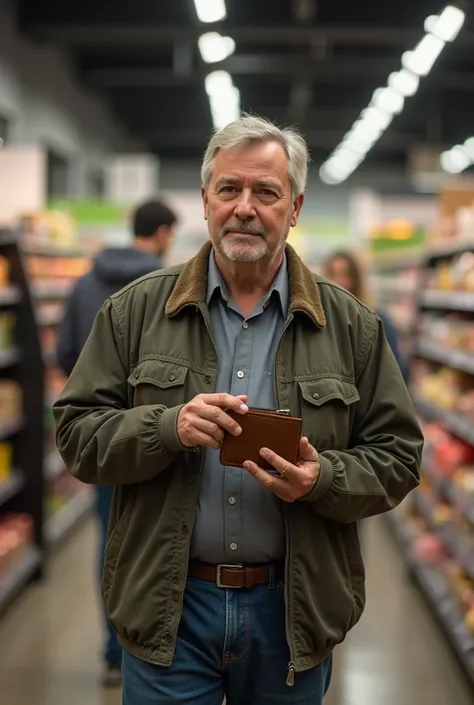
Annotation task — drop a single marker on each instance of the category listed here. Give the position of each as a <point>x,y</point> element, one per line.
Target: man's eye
<point>266,192</point>
<point>228,189</point>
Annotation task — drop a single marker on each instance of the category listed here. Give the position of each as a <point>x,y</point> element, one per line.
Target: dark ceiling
<point>315,63</point>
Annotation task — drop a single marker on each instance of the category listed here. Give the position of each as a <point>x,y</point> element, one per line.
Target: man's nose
<point>244,207</point>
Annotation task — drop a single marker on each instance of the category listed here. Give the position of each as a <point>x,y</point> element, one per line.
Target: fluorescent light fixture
<point>376,117</point>
<point>423,57</point>
<point>214,47</point>
<point>454,162</point>
<point>447,25</point>
<point>210,10</point>
<point>404,82</point>
<point>218,81</point>
<point>389,101</point>
<point>224,98</point>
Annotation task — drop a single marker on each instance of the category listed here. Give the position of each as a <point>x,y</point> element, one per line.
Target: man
<point>153,225</point>
<point>228,581</point>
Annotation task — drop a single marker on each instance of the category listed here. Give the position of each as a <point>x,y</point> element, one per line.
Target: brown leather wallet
<point>262,428</point>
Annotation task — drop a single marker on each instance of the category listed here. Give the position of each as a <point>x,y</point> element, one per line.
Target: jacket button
<point>175,579</point>
<point>172,378</point>
<point>185,529</point>
<point>207,379</point>
<point>175,595</point>
<point>316,395</point>
<point>168,638</point>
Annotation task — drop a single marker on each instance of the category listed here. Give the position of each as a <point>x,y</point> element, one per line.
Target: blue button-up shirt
<point>237,520</point>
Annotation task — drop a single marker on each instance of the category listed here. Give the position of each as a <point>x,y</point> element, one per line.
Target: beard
<point>250,247</point>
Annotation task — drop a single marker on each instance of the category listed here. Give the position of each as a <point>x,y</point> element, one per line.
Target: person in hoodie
<point>153,225</point>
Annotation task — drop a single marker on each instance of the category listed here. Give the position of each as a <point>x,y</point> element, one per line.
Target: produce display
<point>16,536</point>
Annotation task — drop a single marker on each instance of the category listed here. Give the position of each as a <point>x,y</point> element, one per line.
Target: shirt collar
<point>215,282</point>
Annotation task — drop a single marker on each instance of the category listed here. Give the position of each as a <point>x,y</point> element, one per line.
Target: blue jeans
<point>103,495</point>
<point>231,642</point>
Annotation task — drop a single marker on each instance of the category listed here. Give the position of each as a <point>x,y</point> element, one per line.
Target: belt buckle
<point>219,567</point>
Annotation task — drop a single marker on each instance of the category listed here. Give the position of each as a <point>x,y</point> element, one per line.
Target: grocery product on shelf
<point>16,535</point>
<point>10,399</point>
<point>6,461</point>
<point>7,330</point>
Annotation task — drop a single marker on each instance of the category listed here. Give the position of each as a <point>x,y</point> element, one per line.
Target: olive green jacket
<point>150,351</point>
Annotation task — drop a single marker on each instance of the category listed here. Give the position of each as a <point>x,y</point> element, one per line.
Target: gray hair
<point>251,128</point>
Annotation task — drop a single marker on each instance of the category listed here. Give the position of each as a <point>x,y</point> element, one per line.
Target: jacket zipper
<point>290,679</point>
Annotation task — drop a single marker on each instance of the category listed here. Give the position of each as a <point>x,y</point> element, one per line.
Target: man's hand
<point>202,421</point>
<point>295,481</point>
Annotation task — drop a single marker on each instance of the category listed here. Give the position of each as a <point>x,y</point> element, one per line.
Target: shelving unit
<point>435,525</point>
<point>21,428</point>
<point>52,272</point>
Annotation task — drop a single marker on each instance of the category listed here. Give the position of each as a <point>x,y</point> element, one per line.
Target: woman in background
<point>343,268</point>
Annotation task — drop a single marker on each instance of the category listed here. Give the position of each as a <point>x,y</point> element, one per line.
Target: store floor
<point>50,639</point>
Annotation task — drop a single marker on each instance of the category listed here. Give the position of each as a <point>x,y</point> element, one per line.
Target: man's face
<point>248,204</point>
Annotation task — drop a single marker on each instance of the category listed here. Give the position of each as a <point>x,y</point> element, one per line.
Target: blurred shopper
<point>244,323</point>
<point>344,269</point>
<point>114,268</point>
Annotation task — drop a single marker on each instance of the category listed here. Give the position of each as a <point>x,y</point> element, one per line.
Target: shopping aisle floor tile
<point>50,640</point>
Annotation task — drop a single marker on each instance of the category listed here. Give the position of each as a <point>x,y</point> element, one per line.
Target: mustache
<point>243,227</point>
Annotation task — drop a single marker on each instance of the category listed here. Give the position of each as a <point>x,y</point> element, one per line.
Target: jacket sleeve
<point>100,439</point>
<point>68,348</point>
<point>382,464</point>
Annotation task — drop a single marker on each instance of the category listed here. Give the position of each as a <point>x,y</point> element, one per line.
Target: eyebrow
<point>260,183</point>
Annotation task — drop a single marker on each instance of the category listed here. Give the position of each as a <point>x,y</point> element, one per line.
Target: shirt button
<point>232,500</point>
<point>233,546</point>
<point>245,325</point>
<point>240,374</point>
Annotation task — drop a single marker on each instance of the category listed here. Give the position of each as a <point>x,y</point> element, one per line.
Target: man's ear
<point>205,201</point>
<point>297,206</point>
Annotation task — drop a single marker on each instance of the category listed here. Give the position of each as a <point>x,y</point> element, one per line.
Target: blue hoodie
<point>113,269</point>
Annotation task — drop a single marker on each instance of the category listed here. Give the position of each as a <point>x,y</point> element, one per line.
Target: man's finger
<point>307,452</point>
<point>219,417</point>
<point>227,401</point>
<point>270,482</point>
<point>285,468</point>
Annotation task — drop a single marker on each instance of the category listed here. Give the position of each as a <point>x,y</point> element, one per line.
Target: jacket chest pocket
<point>158,382</point>
<point>328,407</point>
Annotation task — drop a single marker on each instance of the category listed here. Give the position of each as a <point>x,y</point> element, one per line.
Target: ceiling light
<point>455,160</point>
<point>422,58</point>
<point>214,47</point>
<point>210,10</point>
<point>404,81</point>
<point>468,147</point>
<point>447,25</point>
<point>218,82</point>
<point>388,100</point>
<point>376,117</point>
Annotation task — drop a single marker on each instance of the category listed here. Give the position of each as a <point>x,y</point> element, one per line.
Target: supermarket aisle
<point>49,641</point>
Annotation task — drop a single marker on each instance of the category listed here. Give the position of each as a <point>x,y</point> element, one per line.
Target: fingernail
<point>238,431</point>
<point>247,466</point>
<point>264,452</point>
<point>244,407</point>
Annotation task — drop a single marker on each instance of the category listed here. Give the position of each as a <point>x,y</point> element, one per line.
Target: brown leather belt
<point>236,576</point>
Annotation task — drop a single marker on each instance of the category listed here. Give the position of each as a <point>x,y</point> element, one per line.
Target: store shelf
<point>459,425</point>
<point>458,359</point>
<point>53,466</point>
<point>51,289</point>
<point>438,595</point>
<point>11,487</point>
<point>9,295</point>
<point>16,579</point>
<point>68,517</point>
<point>10,426</point>
<point>48,250</point>
<point>454,300</point>
<point>9,357</point>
